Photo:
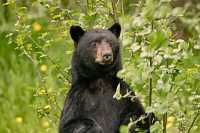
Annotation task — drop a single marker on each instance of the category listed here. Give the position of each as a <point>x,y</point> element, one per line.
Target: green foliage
<point>161,59</point>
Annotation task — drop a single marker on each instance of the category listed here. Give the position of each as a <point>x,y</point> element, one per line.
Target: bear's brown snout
<point>104,53</point>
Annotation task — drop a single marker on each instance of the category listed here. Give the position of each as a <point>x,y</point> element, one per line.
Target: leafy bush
<point>161,58</point>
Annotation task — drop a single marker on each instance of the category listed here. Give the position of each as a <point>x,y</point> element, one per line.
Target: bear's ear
<point>115,29</point>
<point>76,33</point>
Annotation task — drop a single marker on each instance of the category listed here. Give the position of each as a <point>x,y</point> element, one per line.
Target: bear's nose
<point>108,57</point>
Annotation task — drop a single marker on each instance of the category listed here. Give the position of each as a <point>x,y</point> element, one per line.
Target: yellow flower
<point>170,121</point>
<point>43,68</point>
<point>29,46</point>
<point>45,124</point>
<point>36,26</point>
<point>47,108</point>
<point>19,119</point>
<point>42,92</point>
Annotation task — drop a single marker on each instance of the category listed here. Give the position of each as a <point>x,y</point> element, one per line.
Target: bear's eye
<point>110,42</point>
<point>93,44</point>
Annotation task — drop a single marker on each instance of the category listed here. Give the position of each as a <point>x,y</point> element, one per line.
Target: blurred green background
<point>160,43</point>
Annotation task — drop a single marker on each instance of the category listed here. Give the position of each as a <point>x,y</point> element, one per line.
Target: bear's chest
<point>98,103</point>
<point>98,97</point>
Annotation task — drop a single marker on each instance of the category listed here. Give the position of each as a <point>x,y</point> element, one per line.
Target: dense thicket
<point>161,58</point>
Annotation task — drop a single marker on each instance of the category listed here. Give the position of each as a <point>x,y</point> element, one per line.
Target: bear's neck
<point>87,75</point>
<point>98,84</point>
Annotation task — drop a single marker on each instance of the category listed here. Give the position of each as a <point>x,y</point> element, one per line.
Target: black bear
<point>90,106</point>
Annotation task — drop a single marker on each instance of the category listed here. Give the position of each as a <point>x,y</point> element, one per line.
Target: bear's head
<point>97,52</point>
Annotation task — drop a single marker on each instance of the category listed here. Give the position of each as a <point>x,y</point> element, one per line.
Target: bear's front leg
<point>141,120</point>
<point>81,126</point>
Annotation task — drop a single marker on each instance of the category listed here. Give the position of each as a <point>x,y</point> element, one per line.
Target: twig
<point>165,114</point>
<point>115,16</point>
<point>150,88</point>
<point>194,120</point>
<point>5,10</point>
<point>165,122</point>
<point>150,83</point>
<point>35,66</point>
<point>51,60</point>
<point>150,79</point>
<point>150,64</point>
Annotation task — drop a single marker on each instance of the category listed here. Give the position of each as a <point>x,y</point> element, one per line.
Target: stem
<point>51,60</point>
<point>193,122</point>
<point>165,114</point>
<point>150,88</point>
<point>35,64</point>
<point>150,84</point>
<point>5,10</point>
<point>150,64</point>
<point>164,123</point>
<point>115,17</point>
<point>150,79</point>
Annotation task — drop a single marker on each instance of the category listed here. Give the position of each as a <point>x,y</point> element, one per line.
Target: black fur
<point>90,106</point>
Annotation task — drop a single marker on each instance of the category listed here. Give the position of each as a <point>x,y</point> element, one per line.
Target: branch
<point>51,60</point>
<point>114,13</point>
<point>35,66</point>
<point>5,10</point>
<point>193,122</point>
<point>165,122</point>
<point>165,114</point>
<point>150,83</point>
